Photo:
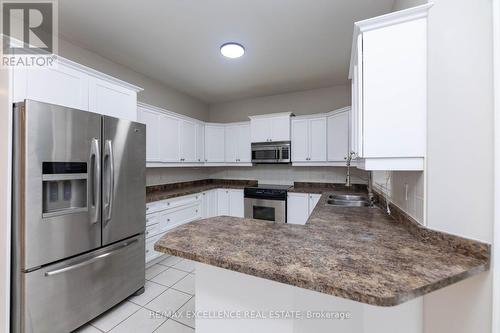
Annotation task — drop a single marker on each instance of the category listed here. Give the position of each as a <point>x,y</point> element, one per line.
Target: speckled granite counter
<point>168,191</point>
<point>360,254</point>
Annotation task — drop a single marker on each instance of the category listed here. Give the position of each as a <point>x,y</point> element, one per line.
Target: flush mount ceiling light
<point>232,50</point>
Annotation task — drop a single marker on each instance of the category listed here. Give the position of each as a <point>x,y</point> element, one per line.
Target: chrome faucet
<point>348,159</point>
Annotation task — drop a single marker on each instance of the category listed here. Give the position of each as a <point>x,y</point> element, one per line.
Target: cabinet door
<point>188,141</point>
<point>204,205</point>
<point>394,90</point>
<point>231,144</point>
<point>236,204</point>
<point>222,202</point>
<point>244,148</point>
<point>280,128</point>
<point>297,208</point>
<point>112,100</point>
<point>260,129</point>
<point>212,203</point>
<point>152,120</point>
<point>313,201</point>
<point>317,139</point>
<point>169,139</point>
<point>300,140</point>
<point>338,136</point>
<point>62,85</point>
<point>200,142</point>
<point>214,143</point>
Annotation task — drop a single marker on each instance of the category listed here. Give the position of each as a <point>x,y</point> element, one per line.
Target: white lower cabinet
<point>230,202</point>
<point>209,204</point>
<point>300,206</point>
<point>222,202</point>
<point>164,215</point>
<point>167,214</point>
<point>236,203</point>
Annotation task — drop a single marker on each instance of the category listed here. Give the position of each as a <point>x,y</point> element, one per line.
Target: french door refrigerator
<point>78,215</point>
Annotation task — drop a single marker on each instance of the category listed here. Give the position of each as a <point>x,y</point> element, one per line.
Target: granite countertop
<point>361,254</point>
<point>168,191</point>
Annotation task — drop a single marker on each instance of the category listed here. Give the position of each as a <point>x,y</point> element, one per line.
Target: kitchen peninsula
<point>365,258</point>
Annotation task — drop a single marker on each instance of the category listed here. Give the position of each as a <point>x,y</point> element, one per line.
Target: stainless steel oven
<point>271,152</point>
<point>266,202</point>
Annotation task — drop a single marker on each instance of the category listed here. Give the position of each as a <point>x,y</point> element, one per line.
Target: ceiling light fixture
<point>232,50</point>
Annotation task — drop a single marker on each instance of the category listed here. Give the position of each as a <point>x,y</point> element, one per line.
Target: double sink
<point>348,200</point>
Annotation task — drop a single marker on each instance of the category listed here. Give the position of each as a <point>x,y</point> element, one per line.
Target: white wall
<point>5,194</point>
<point>460,152</point>
<point>403,4</point>
<point>155,92</point>
<point>301,102</point>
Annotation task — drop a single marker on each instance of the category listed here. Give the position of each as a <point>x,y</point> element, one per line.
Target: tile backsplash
<point>405,189</point>
<point>273,174</point>
<point>287,175</point>
<point>158,176</point>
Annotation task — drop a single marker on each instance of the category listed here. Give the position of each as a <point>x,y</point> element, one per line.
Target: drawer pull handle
<point>89,261</point>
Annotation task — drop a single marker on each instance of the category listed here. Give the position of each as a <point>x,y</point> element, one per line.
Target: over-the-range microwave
<point>271,152</point>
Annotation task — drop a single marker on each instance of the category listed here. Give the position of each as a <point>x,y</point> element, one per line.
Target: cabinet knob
<point>168,220</point>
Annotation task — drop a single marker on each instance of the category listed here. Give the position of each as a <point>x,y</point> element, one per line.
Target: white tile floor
<point>169,287</point>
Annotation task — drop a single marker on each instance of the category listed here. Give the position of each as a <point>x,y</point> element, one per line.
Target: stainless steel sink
<point>348,200</point>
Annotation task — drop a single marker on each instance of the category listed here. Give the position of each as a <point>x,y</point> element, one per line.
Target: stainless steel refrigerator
<point>78,215</point>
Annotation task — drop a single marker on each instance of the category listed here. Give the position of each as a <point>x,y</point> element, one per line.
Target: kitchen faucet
<point>348,164</point>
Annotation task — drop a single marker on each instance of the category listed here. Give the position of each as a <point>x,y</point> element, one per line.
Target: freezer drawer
<point>64,296</point>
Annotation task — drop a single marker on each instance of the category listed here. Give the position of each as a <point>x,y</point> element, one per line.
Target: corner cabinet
<point>389,86</point>
<point>215,138</point>
<point>321,139</point>
<point>309,138</point>
<point>237,143</point>
<point>76,86</point>
<point>270,127</point>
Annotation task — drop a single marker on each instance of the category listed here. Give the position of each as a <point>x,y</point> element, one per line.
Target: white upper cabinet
<point>309,138</point>
<point>200,142</point>
<point>389,87</point>
<point>238,147</point>
<point>152,120</point>
<point>169,140</point>
<point>112,100</point>
<point>214,143</point>
<point>270,127</point>
<point>338,135</point>
<point>72,85</point>
<point>61,85</point>
<point>188,142</point>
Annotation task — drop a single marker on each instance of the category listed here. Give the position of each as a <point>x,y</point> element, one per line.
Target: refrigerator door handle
<point>95,178</point>
<point>108,156</point>
<point>91,260</point>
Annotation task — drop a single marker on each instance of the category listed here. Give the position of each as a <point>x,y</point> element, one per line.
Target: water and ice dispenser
<point>64,188</point>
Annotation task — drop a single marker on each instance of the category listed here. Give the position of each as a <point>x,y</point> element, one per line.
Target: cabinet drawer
<point>152,230</point>
<point>157,206</point>
<point>153,218</point>
<point>180,216</point>
<point>150,252</point>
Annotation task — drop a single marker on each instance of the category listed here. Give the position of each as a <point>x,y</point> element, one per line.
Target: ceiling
<point>291,45</point>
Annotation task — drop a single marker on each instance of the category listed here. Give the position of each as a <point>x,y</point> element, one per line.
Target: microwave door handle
<point>108,156</point>
<point>95,178</point>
